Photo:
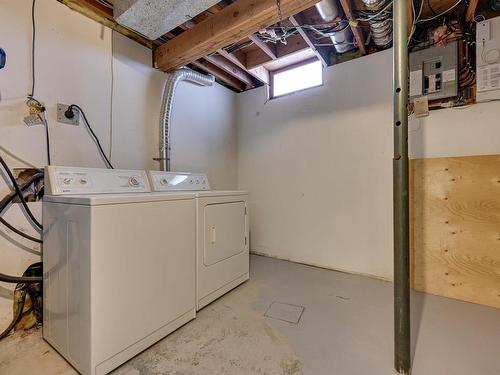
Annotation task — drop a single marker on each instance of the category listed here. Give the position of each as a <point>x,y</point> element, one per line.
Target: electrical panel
<point>434,72</point>
<point>488,59</point>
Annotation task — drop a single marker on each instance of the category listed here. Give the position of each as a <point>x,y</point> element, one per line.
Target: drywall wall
<point>79,61</point>
<point>318,164</point>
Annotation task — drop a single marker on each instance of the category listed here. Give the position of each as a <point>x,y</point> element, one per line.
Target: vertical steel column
<point>402,347</point>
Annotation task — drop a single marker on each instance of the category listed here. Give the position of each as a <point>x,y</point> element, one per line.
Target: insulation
<point>154,18</point>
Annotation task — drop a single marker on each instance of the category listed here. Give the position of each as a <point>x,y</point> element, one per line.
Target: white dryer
<point>222,233</point>
<point>118,260</point>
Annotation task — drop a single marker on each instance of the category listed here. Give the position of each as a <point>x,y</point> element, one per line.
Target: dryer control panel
<point>75,180</point>
<point>174,181</point>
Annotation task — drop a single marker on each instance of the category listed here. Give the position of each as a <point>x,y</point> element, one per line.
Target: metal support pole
<point>402,346</point>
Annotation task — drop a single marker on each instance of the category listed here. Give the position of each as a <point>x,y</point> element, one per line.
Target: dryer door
<point>225,231</point>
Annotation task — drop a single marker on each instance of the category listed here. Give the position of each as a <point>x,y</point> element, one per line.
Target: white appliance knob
<point>67,181</point>
<point>164,181</point>
<point>83,181</point>
<point>133,181</point>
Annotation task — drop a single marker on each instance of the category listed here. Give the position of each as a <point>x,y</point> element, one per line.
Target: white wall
<point>79,61</point>
<point>318,164</point>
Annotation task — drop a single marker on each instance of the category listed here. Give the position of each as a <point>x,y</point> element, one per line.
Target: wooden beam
<point>231,24</point>
<point>258,58</point>
<point>269,50</point>
<point>103,15</point>
<point>471,10</point>
<point>295,22</point>
<point>231,68</point>
<point>221,74</point>
<point>261,74</point>
<point>358,33</point>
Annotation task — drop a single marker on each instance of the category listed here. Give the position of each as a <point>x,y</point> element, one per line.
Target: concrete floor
<point>345,328</point>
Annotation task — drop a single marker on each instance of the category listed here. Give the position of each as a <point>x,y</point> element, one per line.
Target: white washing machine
<point>118,260</point>
<point>222,233</point>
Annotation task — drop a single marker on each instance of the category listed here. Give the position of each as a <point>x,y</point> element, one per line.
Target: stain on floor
<point>227,337</point>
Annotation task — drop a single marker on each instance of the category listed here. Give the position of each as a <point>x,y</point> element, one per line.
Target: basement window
<point>295,78</point>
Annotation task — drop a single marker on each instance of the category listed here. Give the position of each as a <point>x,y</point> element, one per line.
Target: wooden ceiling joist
<point>257,57</point>
<point>297,21</point>
<point>268,49</point>
<point>228,79</point>
<point>358,33</point>
<point>231,68</point>
<point>233,23</point>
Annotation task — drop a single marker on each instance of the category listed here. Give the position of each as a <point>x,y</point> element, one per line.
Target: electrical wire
<point>33,38</point>
<point>20,194</point>
<point>387,6</point>
<point>94,136</point>
<point>8,199</point>
<point>17,231</point>
<point>20,279</point>
<point>442,13</point>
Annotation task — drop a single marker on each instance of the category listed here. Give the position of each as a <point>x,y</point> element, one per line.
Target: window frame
<point>271,95</point>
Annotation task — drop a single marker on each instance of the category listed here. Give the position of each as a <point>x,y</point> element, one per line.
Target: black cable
<point>15,230</point>
<point>8,198</point>
<point>47,139</point>
<point>33,38</point>
<point>431,8</point>
<point>20,194</point>
<point>20,308</point>
<point>20,279</point>
<point>70,114</point>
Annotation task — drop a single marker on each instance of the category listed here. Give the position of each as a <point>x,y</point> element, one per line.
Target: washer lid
<point>107,199</point>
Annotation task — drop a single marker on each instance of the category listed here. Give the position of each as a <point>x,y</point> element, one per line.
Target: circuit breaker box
<point>434,72</point>
<point>488,59</point>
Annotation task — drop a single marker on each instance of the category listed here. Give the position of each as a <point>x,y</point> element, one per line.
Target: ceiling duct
<point>343,38</point>
<point>154,18</point>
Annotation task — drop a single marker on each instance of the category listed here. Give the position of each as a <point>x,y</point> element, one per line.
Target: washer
<point>222,233</point>
<point>119,261</point>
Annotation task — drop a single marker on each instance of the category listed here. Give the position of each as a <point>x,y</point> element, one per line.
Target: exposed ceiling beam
<point>269,50</point>
<point>358,33</point>
<point>297,21</point>
<point>260,74</point>
<point>233,23</point>
<point>471,10</point>
<point>231,68</point>
<point>257,57</point>
<point>103,15</point>
<point>220,74</point>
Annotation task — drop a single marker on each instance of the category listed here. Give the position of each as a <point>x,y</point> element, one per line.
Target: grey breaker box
<point>434,72</point>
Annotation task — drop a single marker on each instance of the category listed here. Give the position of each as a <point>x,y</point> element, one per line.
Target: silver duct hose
<point>343,39</point>
<point>173,80</point>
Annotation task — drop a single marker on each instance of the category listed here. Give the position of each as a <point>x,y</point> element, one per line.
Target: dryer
<point>119,262</point>
<point>222,233</point>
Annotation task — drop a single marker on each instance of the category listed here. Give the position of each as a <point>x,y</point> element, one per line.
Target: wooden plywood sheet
<point>455,224</point>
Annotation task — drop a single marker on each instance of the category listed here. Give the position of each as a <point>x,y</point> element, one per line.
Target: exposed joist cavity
<point>297,21</point>
<point>358,33</point>
<point>232,24</point>
<point>268,49</point>
<point>257,58</point>
<point>223,76</point>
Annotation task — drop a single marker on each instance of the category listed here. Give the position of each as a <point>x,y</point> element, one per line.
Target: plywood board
<point>455,214</point>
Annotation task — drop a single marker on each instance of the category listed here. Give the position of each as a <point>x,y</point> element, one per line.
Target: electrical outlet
<point>61,108</point>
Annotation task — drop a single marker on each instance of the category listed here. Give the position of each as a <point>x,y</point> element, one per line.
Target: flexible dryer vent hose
<point>173,80</point>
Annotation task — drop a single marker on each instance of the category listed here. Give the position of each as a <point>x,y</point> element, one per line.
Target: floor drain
<point>285,312</point>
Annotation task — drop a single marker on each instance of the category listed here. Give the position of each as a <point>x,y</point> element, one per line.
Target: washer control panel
<point>74,180</point>
<point>174,181</point>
